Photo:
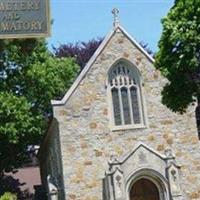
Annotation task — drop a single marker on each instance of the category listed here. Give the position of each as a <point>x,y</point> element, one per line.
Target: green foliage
<point>8,196</point>
<point>53,76</point>
<point>178,57</point>
<point>18,128</point>
<point>16,118</point>
<point>30,76</point>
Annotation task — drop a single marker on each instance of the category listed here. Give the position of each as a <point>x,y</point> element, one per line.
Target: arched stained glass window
<point>124,85</point>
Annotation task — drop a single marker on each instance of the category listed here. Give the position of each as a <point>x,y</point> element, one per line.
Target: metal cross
<point>115,12</point>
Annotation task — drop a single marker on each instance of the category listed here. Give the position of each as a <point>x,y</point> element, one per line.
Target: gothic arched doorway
<point>144,189</point>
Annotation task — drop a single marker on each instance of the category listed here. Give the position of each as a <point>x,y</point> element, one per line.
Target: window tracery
<point>124,86</point>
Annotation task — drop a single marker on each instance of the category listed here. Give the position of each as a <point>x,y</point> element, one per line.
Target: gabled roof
<point>94,57</point>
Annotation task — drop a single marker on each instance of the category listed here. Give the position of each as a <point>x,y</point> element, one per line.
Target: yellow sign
<point>24,18</point>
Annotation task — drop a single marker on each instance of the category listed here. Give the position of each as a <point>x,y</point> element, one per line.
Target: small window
<point>124,87</point>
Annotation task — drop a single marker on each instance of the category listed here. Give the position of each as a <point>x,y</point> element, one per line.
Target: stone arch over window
<point>125,95</point>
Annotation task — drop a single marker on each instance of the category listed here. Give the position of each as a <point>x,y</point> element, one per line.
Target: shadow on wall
<point>12,182</point>
<point>197,112</point>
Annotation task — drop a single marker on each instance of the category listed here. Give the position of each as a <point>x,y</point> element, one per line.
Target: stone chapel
<point>111,138</point>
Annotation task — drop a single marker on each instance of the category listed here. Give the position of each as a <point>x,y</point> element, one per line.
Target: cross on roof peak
<point>115,13</point>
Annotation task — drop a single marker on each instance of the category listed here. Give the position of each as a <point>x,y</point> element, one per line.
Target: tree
<point>8,196</point>
<point>30,76</point>
<point>18,128</point>
<point>146,47</point>
<point>81,51</point>
<point>178,57</point>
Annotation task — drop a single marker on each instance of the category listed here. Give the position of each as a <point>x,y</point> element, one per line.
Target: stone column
<point>173,176</point>
<point>114,180</point>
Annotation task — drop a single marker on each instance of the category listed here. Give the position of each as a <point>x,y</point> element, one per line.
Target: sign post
<point>24,18</point>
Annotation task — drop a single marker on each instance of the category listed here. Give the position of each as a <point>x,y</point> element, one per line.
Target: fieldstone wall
<point>87,140</point>
<point>50,160</point>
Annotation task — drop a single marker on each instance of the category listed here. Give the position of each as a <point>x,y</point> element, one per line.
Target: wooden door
<point>144,189</point>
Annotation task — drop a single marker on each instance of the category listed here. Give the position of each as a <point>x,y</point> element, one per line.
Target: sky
<point>83,20</point>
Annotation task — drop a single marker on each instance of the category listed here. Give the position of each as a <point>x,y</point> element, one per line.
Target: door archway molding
<point>156,178</point>
<point>143,162</point>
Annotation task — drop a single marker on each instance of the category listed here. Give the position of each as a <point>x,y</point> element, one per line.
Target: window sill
<point>128,127</point>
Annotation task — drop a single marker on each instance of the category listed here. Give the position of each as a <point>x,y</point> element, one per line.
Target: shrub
<point>8,196</point>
